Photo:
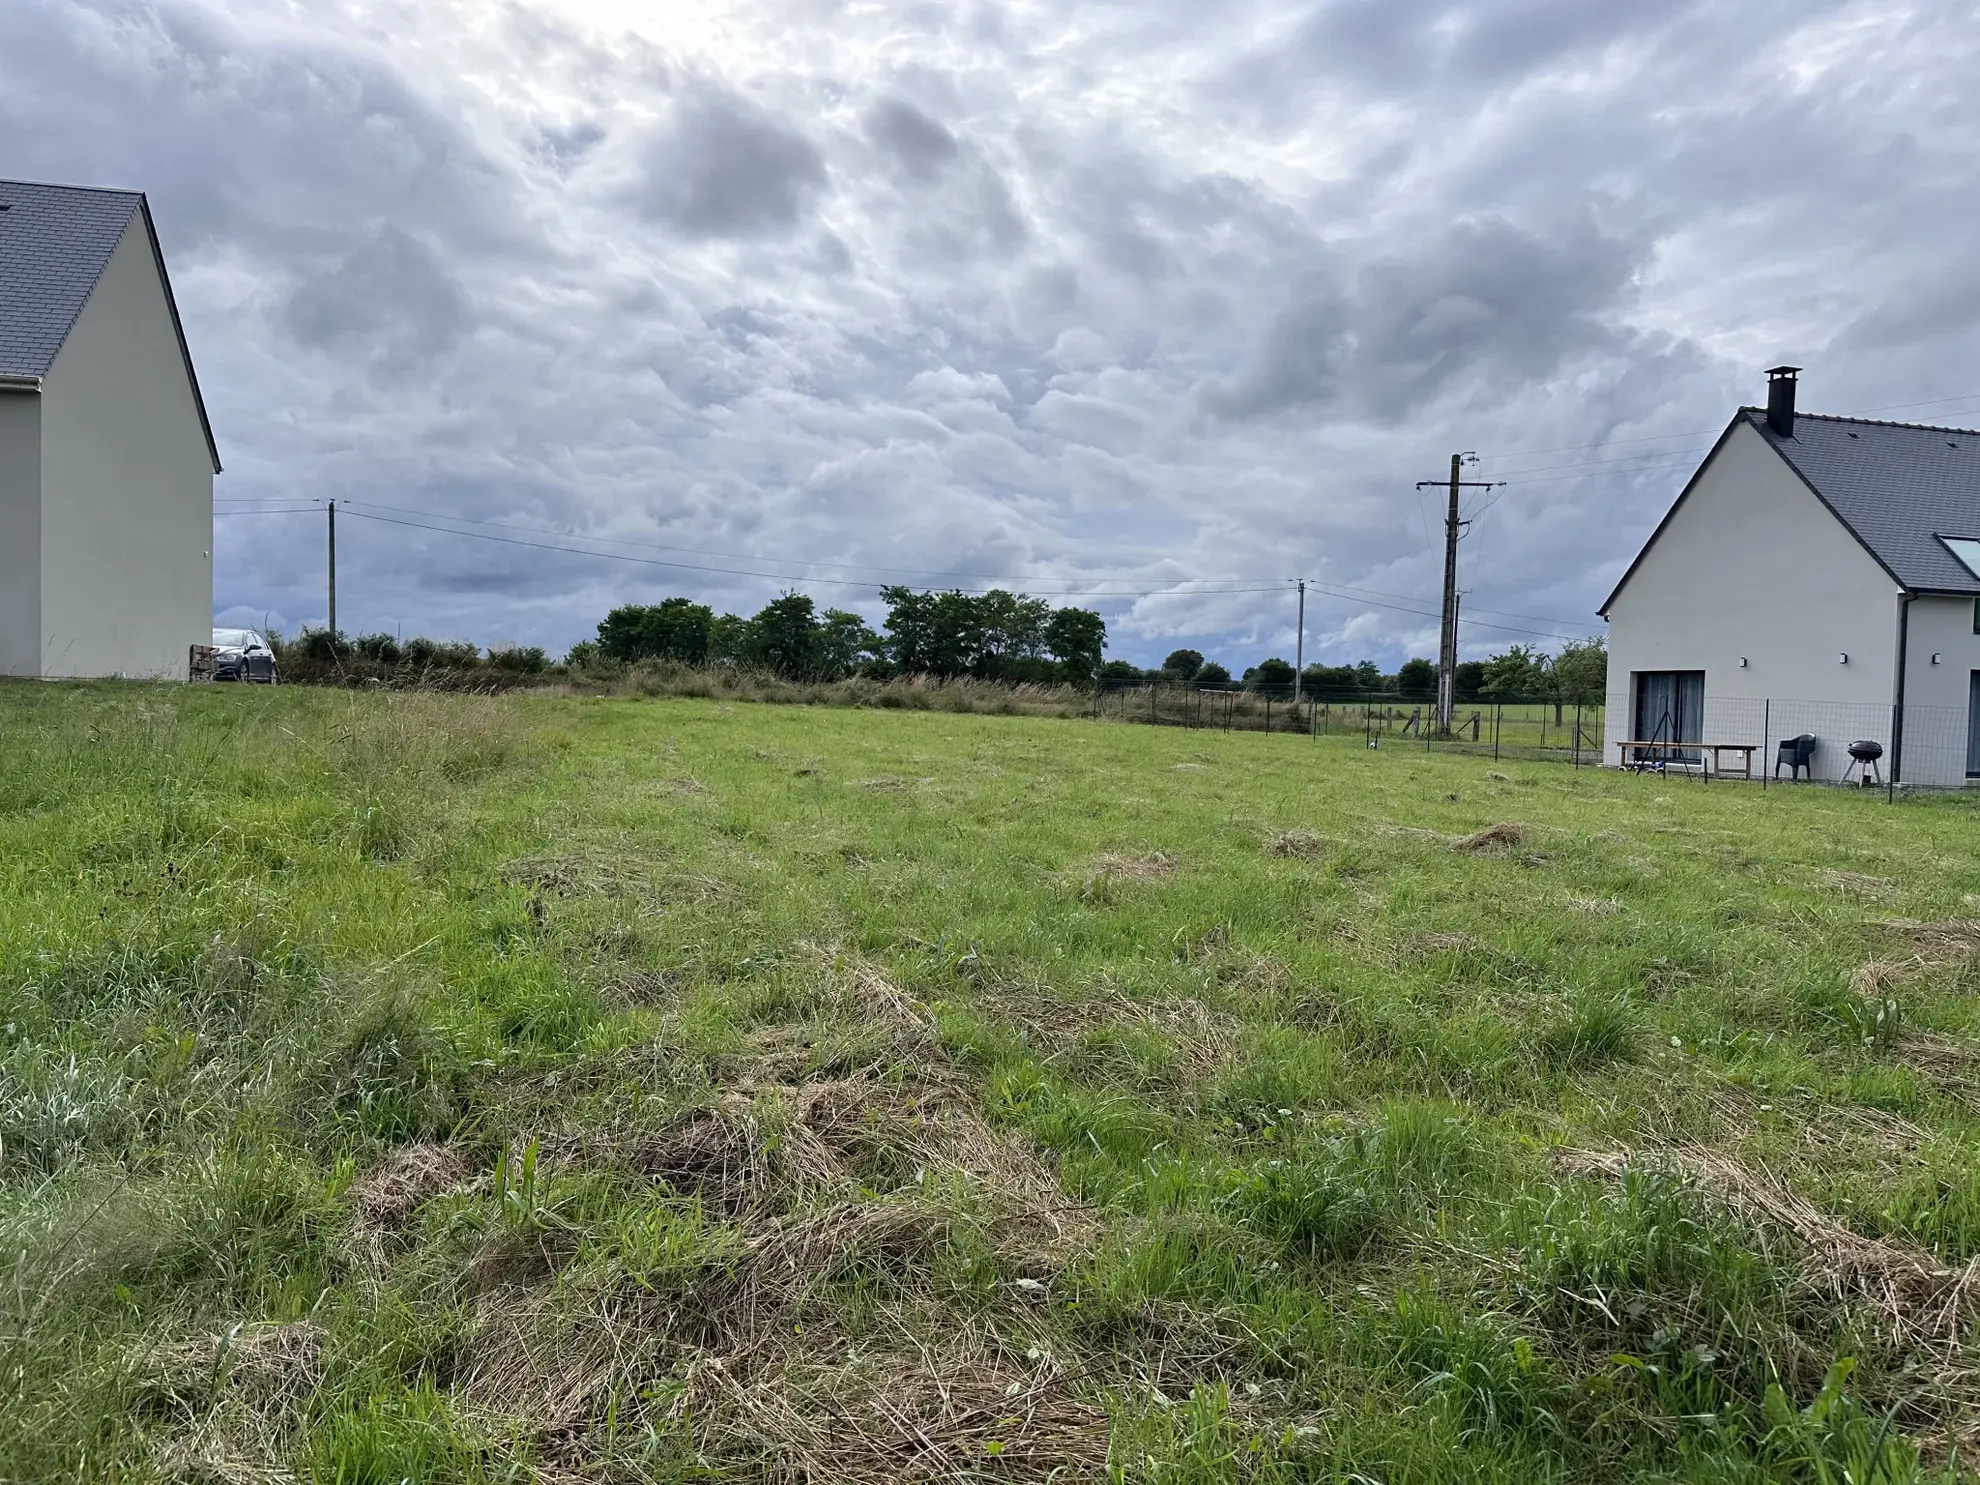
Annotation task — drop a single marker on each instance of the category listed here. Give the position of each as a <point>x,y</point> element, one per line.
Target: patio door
<point>1973,727</point>
<point>1670,710</point>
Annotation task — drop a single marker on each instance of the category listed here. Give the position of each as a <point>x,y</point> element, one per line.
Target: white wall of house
<point>127,485</point>
<point>1753,565</point>
<point>20,533</point>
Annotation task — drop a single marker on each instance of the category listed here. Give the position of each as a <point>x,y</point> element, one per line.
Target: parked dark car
<point>242,655</point>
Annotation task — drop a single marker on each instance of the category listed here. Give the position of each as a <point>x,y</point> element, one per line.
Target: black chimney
<point>1780,400</point>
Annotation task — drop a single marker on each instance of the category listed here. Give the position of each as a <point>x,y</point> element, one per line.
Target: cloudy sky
<point>1164,300</point>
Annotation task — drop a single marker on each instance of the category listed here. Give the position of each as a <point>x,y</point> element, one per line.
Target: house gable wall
<point>20,533</point>
<point>127,485</point>
<point>1753,565</point>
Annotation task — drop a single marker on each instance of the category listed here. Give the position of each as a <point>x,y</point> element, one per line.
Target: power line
<point>1502,613</point>
<point>1431,614</point>
<point>1609,463</point>
<point>649,546</point>
<point>1604,443</point>
<point>1548,479</point>
<point>780,577</point>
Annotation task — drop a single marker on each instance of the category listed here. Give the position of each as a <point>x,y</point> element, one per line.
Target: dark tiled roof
<point>1897,486</point>
<point>55,242</point>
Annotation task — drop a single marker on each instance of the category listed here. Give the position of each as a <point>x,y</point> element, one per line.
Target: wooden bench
<point>1663,750</point>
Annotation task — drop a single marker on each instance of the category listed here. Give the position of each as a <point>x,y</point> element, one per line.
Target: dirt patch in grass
<point>888,783</point>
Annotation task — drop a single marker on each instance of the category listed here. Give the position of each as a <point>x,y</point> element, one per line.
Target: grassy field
<point>464,1089</point>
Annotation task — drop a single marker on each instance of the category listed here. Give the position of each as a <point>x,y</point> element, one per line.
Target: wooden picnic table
<point>1664,748</point>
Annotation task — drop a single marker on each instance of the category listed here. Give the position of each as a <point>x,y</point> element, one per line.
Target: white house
<point>106,457</point>
<point>1817,575</point>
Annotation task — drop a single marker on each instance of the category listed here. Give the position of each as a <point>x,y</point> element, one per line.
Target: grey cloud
<point>1390,46</point>
<point>726,168</point>
<point>391,295</point>
<point>1488,298</point>
<point>1148,212</point>
<point>566,146</point>
<point>922,147</point>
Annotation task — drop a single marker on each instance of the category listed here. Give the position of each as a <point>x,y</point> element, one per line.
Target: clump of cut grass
<point>385,1198</point>
<point>1852,884</point>
<point>1918,1304</point>
<point>1507,835</point>
<point>1594,907</point>
<point>606,872</point>
<point>1106,874</point>
<point>1298,843</point>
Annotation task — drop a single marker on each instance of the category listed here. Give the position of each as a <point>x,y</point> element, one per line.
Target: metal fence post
<point>1766,731</point>
<point>1498,711</point>
<point>1577,734</point>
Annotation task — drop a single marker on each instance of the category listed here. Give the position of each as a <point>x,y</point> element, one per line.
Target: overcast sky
<point>1149,295</point>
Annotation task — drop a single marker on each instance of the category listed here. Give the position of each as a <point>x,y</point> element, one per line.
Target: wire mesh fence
<point>1705,737</point>
<point>1790,740</point>
<point>1499,727</point>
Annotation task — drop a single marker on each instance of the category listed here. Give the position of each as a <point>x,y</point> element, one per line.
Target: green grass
<point>445,1088</point>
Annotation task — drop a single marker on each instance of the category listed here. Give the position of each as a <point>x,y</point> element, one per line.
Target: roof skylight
<point>1967,549</point>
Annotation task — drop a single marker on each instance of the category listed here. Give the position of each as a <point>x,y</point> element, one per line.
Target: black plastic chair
<point>1798,753</point>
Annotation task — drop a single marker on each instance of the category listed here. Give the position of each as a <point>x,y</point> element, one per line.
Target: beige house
<point>106,457</point>
<point>1817,575</point>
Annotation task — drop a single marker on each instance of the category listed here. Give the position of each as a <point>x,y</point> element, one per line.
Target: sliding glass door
<point>1670,711</point>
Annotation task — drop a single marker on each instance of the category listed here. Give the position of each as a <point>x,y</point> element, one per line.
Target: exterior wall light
<point>1742,662</point>
<point>1935,657</point>
<point>1844,659</point>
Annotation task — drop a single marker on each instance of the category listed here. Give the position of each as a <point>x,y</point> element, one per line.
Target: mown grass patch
<point>473,1088</point>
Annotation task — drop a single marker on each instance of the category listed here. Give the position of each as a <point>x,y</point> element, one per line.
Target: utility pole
<point>1299,647</point>
<point>1447,646</point>
<point>333,567</point>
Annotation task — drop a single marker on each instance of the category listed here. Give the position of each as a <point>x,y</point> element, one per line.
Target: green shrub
<point>382,648</point>
<point>323,644</point>
<point>522,659</point>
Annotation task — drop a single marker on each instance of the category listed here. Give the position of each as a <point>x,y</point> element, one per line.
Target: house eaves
<point>1896,488</point>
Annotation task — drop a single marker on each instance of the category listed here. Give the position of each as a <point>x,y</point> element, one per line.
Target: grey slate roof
<point>1898,487</point>
<point>55,242</point>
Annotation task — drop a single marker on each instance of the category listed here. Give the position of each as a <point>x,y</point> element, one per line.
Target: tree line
<point>1577,676</point>
<point>997,635</point>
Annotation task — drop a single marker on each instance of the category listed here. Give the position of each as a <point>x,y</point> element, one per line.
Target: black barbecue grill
<point>1863,756</point>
